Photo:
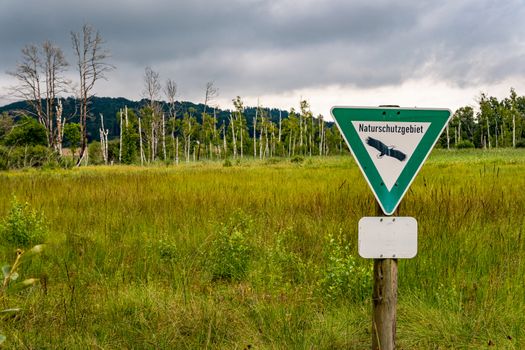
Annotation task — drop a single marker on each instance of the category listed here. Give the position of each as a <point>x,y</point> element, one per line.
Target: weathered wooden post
<point>384,301</point>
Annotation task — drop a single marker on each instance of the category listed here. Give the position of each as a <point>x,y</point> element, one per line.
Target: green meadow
<point>259,255</point>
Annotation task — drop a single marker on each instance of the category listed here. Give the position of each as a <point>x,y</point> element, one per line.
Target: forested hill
<point>109,107</point>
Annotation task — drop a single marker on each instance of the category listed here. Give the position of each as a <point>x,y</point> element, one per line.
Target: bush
<point>227,163</point>
<point>27,132</point>
<point>283,266</point>
<point>464,144</point>
<point>23,227</point>
<point>297,160</point>
<point>95,153</point>
<point>21,157</point>
<point>113,151</point>
<point>342,276</point>
<point>271,161</point>
<point>230,253</point>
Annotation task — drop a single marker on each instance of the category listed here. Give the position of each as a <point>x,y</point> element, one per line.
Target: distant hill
<point>110,106</point>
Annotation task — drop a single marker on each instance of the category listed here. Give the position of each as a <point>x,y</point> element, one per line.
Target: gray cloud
<point>270,47</point>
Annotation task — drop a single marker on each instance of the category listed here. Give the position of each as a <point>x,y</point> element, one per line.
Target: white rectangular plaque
<point>387,237</point>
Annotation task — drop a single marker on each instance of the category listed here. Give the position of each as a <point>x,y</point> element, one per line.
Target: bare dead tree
<point>170,91</point>
<point>151,92</point>
<point>91,65</point>
<point>40,76</point>
<point>152,87</point>
<point>211,93</point>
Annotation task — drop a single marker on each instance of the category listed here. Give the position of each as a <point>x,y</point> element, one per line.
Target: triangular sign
<point>390,145</point>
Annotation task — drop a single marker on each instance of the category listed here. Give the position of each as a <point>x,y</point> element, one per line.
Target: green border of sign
<point>344,116</point>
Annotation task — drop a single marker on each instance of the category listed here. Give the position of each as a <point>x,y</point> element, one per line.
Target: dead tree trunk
<point>232,126</point>
<point>104,140</point>
<point>513,130</point>
<point>141,144</point>
<point>60,127</point>
<point>255,136</point>
<point>120,141</point>
<point>164,136</point>
<point>241,132</point>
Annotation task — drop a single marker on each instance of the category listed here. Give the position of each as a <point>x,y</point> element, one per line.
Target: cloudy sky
<point>331,52</point>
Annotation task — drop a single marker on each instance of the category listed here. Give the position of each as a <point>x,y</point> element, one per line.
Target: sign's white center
<point>390,145</point>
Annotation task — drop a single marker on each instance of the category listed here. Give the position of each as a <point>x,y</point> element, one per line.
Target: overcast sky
<point>332,52</point>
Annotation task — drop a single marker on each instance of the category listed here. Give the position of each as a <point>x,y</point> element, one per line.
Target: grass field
<point>263,255</point>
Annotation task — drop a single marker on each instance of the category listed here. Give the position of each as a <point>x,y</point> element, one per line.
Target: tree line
<point>164,129</point>
<point>494,124</point>
<point>150,135</point>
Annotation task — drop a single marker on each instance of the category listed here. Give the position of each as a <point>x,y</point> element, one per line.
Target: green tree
<point>6,125</point>
<point>27,132</point>
<point>130,138</point>
<point>72,137</point>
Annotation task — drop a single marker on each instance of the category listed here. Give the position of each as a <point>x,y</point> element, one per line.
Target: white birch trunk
<point>255,136</point>
<point>104,140</point>
<point>241,132</point>
<point>488,133</point>
<point>152,148</point>
<point>177,151</point>
<point>232,125</point>
<point>120,141</point>
<point>60,127</point>
<point>280,121</point>
<point>321,128</point>
<point>164,136</point>
<point>266,147</point>
<point>448,137</point>
<point>301,132</point>
<point>141,144</point>
<point>513,130</point>
<point>224,143</point>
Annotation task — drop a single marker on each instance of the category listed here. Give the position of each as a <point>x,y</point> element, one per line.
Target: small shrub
<point>297,159</point>
<point>282,265</point>
<point>464,144</point>
<point>227,163</point>
<point>26,156</point>
<point>66,162</point>
<point>342,275</point>
<point>230,252</point>
<point>167,250</point>
<point>520,143</point>
<point>271,161</point>
<point>95,153</point>
<point>23,226</point>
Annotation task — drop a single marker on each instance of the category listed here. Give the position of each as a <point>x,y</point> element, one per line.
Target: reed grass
<point>131,254</point>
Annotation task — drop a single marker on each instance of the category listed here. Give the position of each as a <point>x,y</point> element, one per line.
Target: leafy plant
<point>230,252</point>
<point>284,266</point>
<point>297,159</point>
<point>464,144</point>
<point>23,226</point>
<point>10,277</point>
<point>342,275</point>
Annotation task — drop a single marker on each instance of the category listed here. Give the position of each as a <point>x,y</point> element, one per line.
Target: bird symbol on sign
<point>385,150</point>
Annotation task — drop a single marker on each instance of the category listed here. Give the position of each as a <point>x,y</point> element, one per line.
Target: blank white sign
<point>387,237</point>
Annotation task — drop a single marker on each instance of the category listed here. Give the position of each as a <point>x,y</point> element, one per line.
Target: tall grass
<point>136,257</point>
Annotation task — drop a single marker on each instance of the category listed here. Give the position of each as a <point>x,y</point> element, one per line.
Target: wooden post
<point>384,301</point>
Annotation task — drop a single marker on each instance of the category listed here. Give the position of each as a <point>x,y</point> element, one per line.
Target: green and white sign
<point>390,145</point>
